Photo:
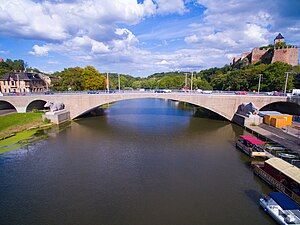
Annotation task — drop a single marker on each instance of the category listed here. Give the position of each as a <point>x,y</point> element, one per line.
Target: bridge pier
<point>57,117</point>
<point>21,109</point>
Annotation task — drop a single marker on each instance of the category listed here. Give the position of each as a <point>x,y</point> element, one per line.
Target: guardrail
<point>204,92</point>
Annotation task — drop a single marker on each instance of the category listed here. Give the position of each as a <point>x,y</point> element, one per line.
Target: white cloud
<point>101,32</point>
<point>39,50</point>
<point>170,6</point>
<point>4,52</point>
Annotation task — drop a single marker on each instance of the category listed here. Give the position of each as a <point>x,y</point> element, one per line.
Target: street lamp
<point>192,81</point>
<point>107,83</point>
<point>259,83</point>
<point>119,82</point>
<point>286,80</point>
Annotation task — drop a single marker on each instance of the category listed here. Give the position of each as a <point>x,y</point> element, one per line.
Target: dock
<point>289,138</point>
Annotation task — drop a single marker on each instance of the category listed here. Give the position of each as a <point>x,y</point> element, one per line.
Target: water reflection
<point>144,162</point>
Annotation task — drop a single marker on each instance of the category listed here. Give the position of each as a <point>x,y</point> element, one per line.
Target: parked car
<point>48,92</point>
<point>276,93</point>
<point>241,92</point>
<point>163,91</point>
<point>93,92</point>
<point>206,92</point>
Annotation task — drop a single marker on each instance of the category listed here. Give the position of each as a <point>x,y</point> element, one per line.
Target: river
<point>144,162</point>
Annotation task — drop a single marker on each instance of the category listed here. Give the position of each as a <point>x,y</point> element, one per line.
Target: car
<point>241,92</point>
<point>206,92</point>
<point>276,93</point>
<point>48,93</point>
<point>93,92</point>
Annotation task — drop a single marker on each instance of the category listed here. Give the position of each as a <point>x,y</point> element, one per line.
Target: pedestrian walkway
<point>288,139</point>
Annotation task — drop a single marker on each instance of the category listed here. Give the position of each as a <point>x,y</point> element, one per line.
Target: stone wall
<point>257,55</point>
<point>286,55</point>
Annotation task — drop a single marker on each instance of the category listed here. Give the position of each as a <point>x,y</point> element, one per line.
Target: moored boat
<point>251,146</point>
<point>281,175</point>
<point>281,208</point>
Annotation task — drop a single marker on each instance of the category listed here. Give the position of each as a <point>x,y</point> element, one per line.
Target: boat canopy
<point>286,168</point>
<point>284,201</point>
<point>252,140</point>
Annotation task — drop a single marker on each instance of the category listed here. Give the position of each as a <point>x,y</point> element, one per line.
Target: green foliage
<point>68,79</point>
<point>92,80</point>
<point>9,65</point>
<point>270,46</point>
<point>247,78</point>
<point>281,45</point>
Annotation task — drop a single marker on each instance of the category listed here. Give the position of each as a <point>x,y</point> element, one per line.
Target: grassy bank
<point>17,122</point>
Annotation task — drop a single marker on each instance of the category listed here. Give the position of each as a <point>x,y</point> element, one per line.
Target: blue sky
<point>141,37</point>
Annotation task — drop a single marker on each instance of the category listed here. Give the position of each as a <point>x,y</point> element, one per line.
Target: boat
<point>287,155</point>
<point>251,146</point>
<point>284,210</point>
<point>281,175</point>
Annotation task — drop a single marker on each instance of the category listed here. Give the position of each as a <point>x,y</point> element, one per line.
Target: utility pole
<point>192,81</point>
<point>259,83</point>
<point>18,81</point>
<point>286,81</point>
<point>107,83</point>
<point>119,82</point>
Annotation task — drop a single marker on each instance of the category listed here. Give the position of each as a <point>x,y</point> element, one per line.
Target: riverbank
<point>17,122</point>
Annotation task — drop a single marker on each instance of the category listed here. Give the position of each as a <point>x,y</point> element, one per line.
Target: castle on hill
<point>280,51</point>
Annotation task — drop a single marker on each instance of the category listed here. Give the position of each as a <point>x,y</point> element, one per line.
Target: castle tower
<point>278,39</point>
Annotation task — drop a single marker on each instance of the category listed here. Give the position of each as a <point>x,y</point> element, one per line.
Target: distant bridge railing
<point>204,92</point>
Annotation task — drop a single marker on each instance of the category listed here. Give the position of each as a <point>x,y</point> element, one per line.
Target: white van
<point>296,92</point>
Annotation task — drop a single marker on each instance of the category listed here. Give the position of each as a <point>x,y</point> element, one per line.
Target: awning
<point>253,140</point>
<point>286,168</point>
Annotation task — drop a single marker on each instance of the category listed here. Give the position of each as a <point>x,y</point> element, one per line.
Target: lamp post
<point>192,81</point>
<point>259,83</point>
<point>18,82</point>
<point>286,81</point>
<point>107,83</point>
<point>119,82</point>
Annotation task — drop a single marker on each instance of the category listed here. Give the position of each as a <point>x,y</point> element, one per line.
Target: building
<point>24,82</point>
<point>278,52</point>
<point>1,60</point>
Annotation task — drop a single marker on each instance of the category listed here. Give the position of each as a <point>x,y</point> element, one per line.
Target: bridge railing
<point>198,92</point>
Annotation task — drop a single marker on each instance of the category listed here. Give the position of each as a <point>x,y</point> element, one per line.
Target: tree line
<point>9,65</point>
<point>226,78</point>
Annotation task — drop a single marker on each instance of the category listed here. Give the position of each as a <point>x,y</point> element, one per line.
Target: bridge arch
<point>37,104</point>
<point>199,104</point>
<point>96,105</point>
<point>6,106</point>
<point>283,107</point>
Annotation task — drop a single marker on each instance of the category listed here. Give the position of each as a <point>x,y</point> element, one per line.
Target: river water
<point>145,162</point>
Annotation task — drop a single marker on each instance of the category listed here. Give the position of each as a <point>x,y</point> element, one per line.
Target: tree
<point>274,77</point>
<point>68,79</point>
<point>92,80</point>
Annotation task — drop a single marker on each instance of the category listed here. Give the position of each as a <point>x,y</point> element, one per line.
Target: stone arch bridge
<point>225,105</point>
